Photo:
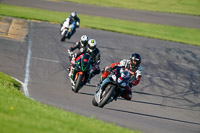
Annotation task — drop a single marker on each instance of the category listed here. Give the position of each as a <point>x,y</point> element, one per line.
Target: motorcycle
<point>67,30</point>
<point>81,72</point>
<point>112,87</point>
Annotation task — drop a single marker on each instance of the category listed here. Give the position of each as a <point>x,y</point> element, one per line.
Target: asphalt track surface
<point>166,100</point>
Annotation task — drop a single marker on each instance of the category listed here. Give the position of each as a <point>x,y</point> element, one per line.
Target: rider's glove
<point>74,55</point>
<point>77,24</point>
<point>70,53</point>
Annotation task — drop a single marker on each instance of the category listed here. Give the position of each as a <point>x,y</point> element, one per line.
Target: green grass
<point>171,33</point>
<point>191,7</point>
<point>19,114</point>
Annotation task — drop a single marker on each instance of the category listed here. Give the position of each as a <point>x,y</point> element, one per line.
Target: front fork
<point>100,90</point>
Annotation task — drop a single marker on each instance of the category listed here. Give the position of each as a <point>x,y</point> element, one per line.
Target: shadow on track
<point>143,102</point>
<point>83,93</point>
<point>153,116</point>
<point>157,104</point>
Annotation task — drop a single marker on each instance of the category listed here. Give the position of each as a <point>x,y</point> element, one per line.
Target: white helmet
<point>84,40</point>
<point>73,14</point>
<point>92,45</point>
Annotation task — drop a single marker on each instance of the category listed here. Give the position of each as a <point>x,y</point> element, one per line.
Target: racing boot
<point>89,80</point>
<point>90,77</point>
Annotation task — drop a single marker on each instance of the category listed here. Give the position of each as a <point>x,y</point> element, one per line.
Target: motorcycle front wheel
<point>106,95</point>
<point>94,102</point>
<point>68,34</point>
<point>63,37</point>
<point>79,83</point>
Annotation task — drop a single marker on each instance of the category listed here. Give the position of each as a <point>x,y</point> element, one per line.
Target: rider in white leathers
<point>73,18</point>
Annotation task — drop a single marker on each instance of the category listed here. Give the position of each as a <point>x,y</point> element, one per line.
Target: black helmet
<point>135,57</point>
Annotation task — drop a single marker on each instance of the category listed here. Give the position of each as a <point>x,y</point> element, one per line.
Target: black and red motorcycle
<point>81,71</point>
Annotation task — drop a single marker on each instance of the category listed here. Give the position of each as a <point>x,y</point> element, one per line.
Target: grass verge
<point>171,33</point>
<point>171,6</point>
<point>18,114</point>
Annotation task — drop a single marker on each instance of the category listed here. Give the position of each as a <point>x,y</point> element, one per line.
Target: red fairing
<point>79,57</point>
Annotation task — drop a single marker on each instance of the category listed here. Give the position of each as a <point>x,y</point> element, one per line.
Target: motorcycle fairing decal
<point>131,72</point>
<point>82,64</point>
<point>78,57</point>
<point>81,73</point>
<point>85,60</point>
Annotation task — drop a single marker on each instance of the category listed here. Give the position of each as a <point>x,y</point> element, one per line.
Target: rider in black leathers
<point>95,54</point>
<point>80,45</point>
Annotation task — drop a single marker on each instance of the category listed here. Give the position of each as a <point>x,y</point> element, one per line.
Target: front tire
<point>107,96</point>
<point>79,83</point>
<point>63,38</point>
<point>94,102</point>
<point>68,34</point>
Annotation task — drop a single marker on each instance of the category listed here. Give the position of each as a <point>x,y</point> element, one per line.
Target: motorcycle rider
<point>68,21</point>
<point>134,68</point>
<point>95,58</point>
<point>80,45</point>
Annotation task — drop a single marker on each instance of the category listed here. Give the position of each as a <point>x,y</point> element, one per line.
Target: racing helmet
<point>135,60</point>
<point>92,45</point>
<point>73,14</point>
<point>84,40</point>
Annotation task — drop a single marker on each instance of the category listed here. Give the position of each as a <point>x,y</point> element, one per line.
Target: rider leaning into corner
<point>68,21</point>
<point>134,68</point>
<point>86,45</point>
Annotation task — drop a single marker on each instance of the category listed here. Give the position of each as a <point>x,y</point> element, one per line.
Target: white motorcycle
<point>67,30</point>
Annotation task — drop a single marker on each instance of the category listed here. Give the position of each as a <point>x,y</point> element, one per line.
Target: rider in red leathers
<point>134,68</point>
